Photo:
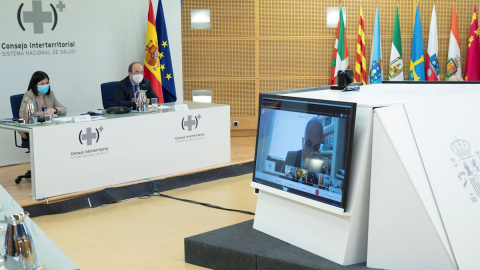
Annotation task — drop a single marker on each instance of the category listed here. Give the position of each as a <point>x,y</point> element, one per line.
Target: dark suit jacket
<point>294,158</point>
<point>124,92</point>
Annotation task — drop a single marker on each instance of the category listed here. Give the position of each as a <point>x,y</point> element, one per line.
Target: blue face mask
<point>43,89</point>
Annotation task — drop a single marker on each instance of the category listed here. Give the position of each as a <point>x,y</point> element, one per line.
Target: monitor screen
<point>304,147</point>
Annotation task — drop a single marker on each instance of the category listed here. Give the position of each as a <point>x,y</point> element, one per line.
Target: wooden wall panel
<point>258,46</point>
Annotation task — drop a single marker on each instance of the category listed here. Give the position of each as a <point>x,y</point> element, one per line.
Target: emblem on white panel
<point>89,136</point>
<point>468,167</point>
<point>190,123</point>
<point>38,16</point>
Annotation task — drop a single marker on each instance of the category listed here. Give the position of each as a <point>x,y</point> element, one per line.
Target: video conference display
<point>304,147</point>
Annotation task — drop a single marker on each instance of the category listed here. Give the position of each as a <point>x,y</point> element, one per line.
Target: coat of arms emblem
<point>468,167</point>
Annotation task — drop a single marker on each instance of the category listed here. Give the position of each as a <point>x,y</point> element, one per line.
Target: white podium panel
<point>405,228</point>
<point>447,135</point>
<point>339,237</point>
<point>424,208</point>
<point>81,156</point>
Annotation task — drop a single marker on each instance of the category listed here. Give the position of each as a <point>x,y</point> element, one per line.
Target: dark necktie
<point>135,90</point>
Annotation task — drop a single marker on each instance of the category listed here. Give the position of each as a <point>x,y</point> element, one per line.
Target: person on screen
<point>44,100</point>
<point>127,88</point>
<point>311,142</point>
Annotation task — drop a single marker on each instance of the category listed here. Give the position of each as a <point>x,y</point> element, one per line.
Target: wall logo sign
<point>468,167</point>
<point>88,136</point>
<point>190,123</point>
<point>39,16</point>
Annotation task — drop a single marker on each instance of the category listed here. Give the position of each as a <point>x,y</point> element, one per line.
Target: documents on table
<point>181,107</point>
<point>62,119</point>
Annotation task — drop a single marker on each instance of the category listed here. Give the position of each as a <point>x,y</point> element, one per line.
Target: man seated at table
<point>127,88</point>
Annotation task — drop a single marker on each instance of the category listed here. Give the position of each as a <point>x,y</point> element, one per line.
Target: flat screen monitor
<point>304,147</point>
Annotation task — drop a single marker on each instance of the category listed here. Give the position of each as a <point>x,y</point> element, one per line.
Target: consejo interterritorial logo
<point>190,123</point>
<point>38,17</point>
<point>90,136</point>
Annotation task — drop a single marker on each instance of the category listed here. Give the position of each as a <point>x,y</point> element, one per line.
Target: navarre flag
<point>454,63</point>
<point>417,64</point>
<point>375,71</point>
<point>340,53</point>
<point>166,70</point>
<point>395,69</point>
<point>151,62</point>
<point>472,66</point>
<point>433,67</point>
<point>361,63</point>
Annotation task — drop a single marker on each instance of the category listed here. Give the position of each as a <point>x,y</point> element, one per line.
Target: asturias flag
<point>417,64</point>
<point>167,79</point>
<point>433,67</point>
<point>375,71</point>
<point>395,69</point>
<point>340,53</point>
<point>472,66</point>
<point>361,63</point>
<point>151,62</point>
<point>454,63</point>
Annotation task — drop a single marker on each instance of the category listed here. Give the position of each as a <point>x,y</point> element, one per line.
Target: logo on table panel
<point>89,136</point>
<point>468,168</point>
<point>191,122</point>
<point>38,16</point>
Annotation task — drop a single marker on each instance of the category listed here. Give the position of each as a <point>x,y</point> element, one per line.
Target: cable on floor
<point>206,204</point>
<point>155,192</point>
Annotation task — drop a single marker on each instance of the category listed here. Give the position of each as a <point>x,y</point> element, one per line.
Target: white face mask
<point>137,78</point>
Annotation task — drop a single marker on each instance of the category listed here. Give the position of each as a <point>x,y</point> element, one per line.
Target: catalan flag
<point>417,64</point>
<point>433,67</point>
<point>167,78</point>
<point>375,71</point>
<point>454,63</point>
<point>395,69</point>
<point>151,62</point>
<point>361,64</point>
<point>340,53</point>
<point>472,66</point>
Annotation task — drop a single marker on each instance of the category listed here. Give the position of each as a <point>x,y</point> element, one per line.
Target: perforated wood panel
<point>262,46</point>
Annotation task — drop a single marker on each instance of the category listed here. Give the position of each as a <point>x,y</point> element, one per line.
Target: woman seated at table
<point>40,92</point>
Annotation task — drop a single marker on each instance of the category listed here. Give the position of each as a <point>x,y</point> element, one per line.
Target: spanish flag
<point>151,62</point>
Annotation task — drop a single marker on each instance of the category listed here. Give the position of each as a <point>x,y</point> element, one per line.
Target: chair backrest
<point>108,94</point>
<point>15,102</point>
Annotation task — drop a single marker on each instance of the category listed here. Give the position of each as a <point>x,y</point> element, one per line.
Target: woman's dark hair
<point>36,77</point>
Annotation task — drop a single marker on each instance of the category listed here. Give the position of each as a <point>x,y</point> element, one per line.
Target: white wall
<point>108,35</point>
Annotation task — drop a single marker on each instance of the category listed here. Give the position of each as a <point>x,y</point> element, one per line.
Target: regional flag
<point>375,71</point>
<point>433,67</point>
<point>151,62</point>
<point>454,64</point>
<point>395,69</point>
<point>417,65</point>
<point>166,70</point>
<point>340,53</point>
<point>472,69</point>
<point>361,63</point>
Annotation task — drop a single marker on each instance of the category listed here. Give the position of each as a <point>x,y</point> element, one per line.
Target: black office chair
<point>108,94</point>
<point>15,103</point>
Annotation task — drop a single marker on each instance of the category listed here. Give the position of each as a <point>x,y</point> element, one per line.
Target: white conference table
<point>68,157</point>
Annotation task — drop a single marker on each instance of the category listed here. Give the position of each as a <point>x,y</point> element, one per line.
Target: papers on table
<point>62,119</point>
